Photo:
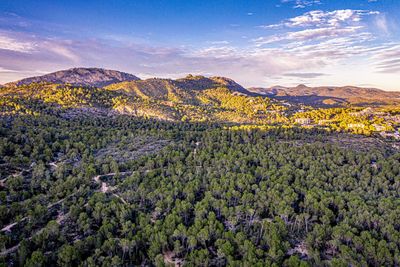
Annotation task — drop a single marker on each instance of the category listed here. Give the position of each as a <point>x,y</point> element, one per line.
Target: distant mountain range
<point>80,76</point>
<point>329,95</point>
<point>162,89</point>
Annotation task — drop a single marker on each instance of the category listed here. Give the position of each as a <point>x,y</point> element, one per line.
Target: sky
<point>257,43</point>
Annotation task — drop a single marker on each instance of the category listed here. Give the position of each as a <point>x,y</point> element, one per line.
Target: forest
<point>126,191</point>
<point>210,133</point>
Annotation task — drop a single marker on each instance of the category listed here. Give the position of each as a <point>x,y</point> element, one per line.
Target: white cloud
<point>387,60</point>
<point>7,70</point>
<point>9,43</point>
<point>61,50</point>
<point>308,35</point>
<point>216,52</point>
<point>302,3</point>
<point>223,42</point>
<point>382,24</point>
<point>389,52</point>
<point>306,75</point>
<point>27,44</point>
<point>319,18</point>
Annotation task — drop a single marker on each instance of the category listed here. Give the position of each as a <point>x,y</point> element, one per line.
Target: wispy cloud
<point>387,60</point>
<point>319,18</point>
<point>216,52</point>
<point>308,35</point>
<point>302,3</point>
<point>12,44</point>
<point>309,75</point>
<point>223,42</point>
<point>382,24</point>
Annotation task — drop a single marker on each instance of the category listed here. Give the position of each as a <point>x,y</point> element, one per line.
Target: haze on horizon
<point>257,43</point>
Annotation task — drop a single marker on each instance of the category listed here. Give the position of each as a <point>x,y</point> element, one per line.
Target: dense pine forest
<point>125,191</point>
<point>172,133</point>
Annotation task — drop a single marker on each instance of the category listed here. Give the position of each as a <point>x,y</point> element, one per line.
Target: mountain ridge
<point>328,95</point>
<point>178,89</point>
<point>194,98</point>
<point>182,89</point>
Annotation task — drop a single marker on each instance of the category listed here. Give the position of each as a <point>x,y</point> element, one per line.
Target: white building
<point>303,121</point>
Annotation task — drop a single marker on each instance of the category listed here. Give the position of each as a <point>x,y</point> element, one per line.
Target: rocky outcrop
<point>81,77</point>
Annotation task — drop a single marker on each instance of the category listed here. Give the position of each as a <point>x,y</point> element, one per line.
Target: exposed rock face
<point>81,76</point>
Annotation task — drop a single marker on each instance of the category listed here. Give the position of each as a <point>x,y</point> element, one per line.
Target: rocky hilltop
<point>80,77</point>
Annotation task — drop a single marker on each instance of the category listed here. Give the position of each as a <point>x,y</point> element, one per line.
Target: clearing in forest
<point>127,149</point>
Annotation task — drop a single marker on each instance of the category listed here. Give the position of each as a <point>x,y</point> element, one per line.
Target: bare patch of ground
<point>125,150</point>
<point>105,188</point>
<point>8,227</point>
<point>171,259</point>
<point>299,249</point>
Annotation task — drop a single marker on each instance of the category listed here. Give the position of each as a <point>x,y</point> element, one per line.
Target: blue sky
<point>257,43</point>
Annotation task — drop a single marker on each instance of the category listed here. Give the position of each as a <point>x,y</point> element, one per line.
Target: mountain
<point>197,97</point>
<point>178,90</point>
<point>193,98</point>
<point>80,77</point>
<point>330,95</point>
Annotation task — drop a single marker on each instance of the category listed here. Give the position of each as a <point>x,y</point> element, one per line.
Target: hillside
<point>330,95</point>
<point>176,90</point>
<point>154,88</point>
<point>81,77</point>
<point>196,99</point>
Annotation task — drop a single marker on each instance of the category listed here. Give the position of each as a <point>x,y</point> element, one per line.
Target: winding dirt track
<point>105,188</point>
